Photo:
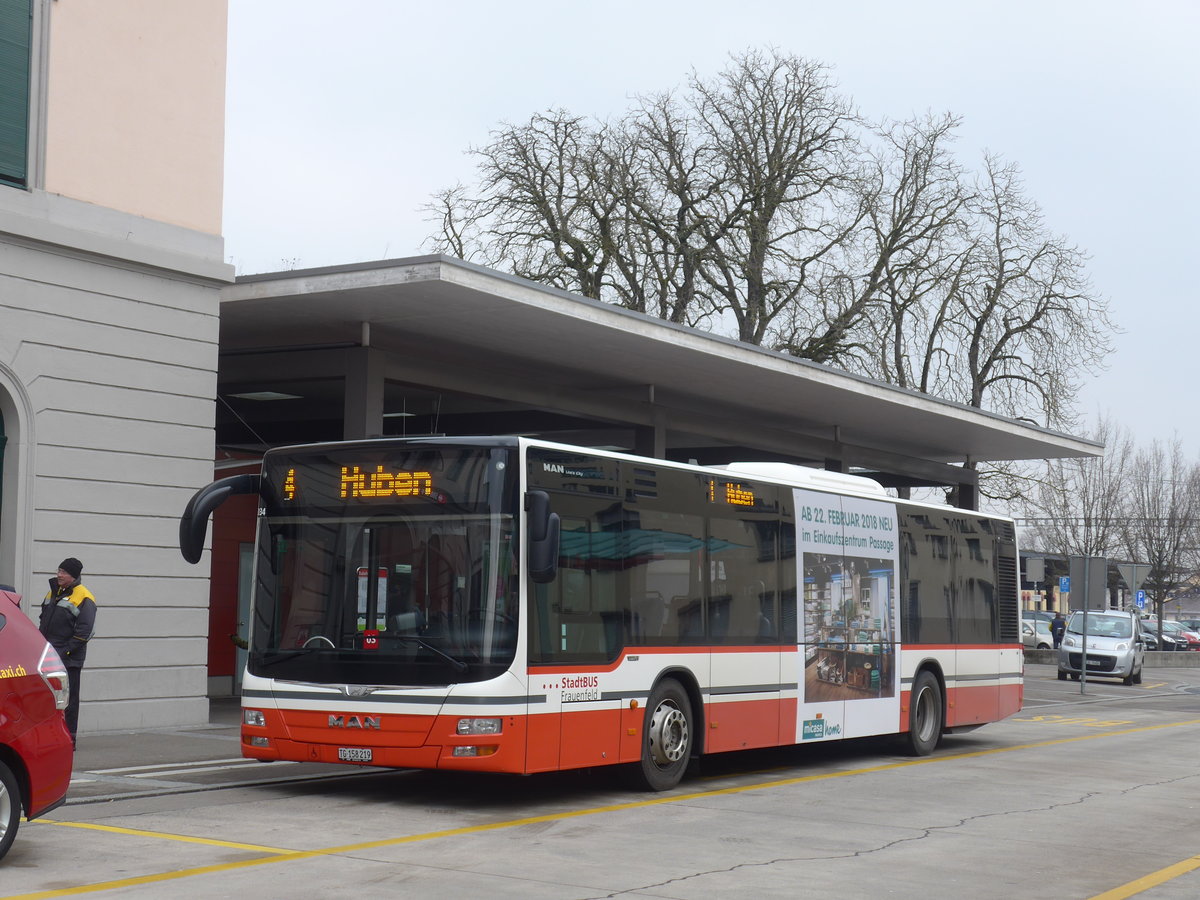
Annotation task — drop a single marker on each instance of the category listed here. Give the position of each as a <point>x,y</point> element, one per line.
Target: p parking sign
<point>1140,599</point>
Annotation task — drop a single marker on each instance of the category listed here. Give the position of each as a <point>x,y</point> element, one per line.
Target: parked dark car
<point>35,747</point>
<point>1170,639</point>
<point>1178,630</point>
<point>1150,638</point>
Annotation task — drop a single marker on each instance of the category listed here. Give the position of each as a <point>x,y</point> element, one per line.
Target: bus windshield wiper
<point>458,664</point>
<point>291,654</point>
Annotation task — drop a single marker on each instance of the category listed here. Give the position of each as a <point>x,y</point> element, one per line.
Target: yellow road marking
<point>1088,721</point>
<point>289,856</point>
<point>254,848</point>
<point>1154,879</point>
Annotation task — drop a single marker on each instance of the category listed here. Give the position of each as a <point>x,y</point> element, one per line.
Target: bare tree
<point>787,148</point>
<point>457,223</point>
<point>1078,507</point>
<point>1025,318</point>
<point>1163,527</point>
<point>546,207</point>
<point>913,249</point>
<point>731,200</point>
<point>674,219</point>
<point>759,203</point>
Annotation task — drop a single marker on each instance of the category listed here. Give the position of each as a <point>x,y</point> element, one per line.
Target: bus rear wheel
<point>924,715</point>
<point>666,737</point>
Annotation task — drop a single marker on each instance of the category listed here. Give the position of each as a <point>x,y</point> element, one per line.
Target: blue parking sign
<point>1064,584</point>
<point>1140,599</point>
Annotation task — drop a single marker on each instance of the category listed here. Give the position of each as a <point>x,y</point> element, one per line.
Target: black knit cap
<point>72,567</point>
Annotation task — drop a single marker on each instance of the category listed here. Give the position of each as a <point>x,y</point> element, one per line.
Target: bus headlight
<point>479,726</point>
<point>254,717</point>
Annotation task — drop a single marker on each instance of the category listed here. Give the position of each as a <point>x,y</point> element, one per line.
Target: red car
<point>35,746</point>
<point>1189,634</point>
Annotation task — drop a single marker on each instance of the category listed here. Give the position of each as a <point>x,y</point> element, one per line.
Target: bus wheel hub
<point>668,734</point>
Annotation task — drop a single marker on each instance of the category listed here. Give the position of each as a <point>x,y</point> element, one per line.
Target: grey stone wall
<point>108,354</point>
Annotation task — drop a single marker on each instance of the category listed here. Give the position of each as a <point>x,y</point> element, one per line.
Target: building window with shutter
<point>15,30</point>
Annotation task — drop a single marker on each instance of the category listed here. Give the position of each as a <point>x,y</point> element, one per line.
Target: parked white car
<point>1035,634</point>
<point>1113,643</point>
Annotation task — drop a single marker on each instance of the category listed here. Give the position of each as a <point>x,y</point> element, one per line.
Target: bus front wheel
<point>924,715</point>
<point>667,736</point>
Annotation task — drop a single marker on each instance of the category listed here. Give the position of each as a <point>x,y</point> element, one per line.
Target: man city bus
<point>513,605</point>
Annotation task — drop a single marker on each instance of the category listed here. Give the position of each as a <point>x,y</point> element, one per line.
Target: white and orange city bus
<point>512,605</point>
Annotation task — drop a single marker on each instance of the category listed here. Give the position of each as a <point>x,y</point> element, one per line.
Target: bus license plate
<point>354,754</point>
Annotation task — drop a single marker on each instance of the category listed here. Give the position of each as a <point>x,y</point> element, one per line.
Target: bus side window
<point>664,555</point>
<point>743,569</point>
<point>927,573</point>
<point>977,613</point>
<point>651,611</point>
<point>581,615</point>
<point>583,636</point>
<point>787,575</point>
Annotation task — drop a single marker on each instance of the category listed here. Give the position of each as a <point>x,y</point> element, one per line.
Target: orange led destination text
<point>735,494</point>
<point>356,483</point>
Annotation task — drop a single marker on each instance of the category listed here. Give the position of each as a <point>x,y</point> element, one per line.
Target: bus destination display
<point>730,493</point>
<point>380,484</point>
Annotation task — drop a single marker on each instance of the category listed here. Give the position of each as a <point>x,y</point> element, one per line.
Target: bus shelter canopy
<point>434,345</point>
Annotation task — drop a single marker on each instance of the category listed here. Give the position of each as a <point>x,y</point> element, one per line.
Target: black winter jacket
<point>68,617</point>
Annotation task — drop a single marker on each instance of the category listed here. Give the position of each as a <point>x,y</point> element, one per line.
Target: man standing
<point>68,616</point>
<point>1058,625</point>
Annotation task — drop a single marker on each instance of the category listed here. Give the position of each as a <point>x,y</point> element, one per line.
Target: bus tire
<point>10,808</point>
<point>667,735</point>
<point>924,715</point>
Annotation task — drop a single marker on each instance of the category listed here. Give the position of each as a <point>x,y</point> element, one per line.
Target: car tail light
<point>54,673</point>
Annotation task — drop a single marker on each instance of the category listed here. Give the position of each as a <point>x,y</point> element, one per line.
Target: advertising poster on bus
<point>847,559</point>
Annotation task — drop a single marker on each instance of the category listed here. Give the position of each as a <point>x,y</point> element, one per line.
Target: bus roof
<point>806,476</point>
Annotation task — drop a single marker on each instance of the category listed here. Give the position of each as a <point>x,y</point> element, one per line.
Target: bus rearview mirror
<point>193,524</point>
<point>542,530</point>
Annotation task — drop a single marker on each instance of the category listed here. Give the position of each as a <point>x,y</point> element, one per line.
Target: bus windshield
<point>393,570</point>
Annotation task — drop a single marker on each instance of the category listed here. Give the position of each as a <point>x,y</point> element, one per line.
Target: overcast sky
<point>343,119</point>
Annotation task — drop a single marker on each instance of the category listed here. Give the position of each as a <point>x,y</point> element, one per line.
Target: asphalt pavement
<point>1085,793</point>
<point>156,761</point>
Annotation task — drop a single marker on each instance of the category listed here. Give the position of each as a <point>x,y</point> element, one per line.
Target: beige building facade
<point>111,262</point>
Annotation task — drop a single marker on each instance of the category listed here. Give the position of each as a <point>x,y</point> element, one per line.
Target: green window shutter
<point>15,19</point>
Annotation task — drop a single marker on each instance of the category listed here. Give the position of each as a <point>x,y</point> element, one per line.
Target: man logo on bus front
<point>355,722</point>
